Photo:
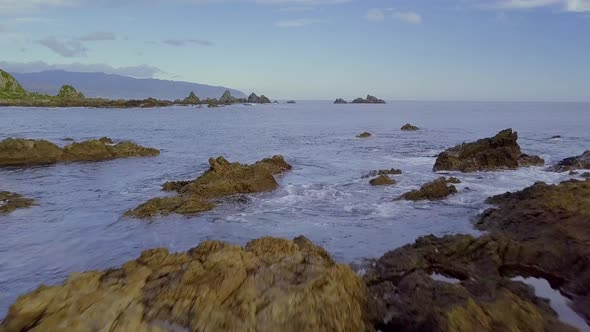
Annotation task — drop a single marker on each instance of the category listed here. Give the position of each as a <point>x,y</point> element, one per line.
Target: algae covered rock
<point>192,99</point>
<point>364,135</point>
<point>269,285</point>
<point>435,190</point>
<point>22,152</point>
<point>11,201</point>
<point>409,127</point>
<point>382,180</point>
<point>578,162</point>
<point>104,149</point>
<point>488,154</point>
<point>222,179</point>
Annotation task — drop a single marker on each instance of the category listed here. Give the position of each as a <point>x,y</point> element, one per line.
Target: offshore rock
<point>269,285</point>
<point>23,152</point>
<point>364,135</point>
<point>578,162</point>
<point>11,201</point>
<point>435,190</point>
<point>380,172</point>
<point>409,127</point>
<point>369,100</point>
<point>340,101</point>
<point>382,180</point>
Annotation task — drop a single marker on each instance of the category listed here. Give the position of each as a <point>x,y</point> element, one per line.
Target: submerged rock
<point>435,190</point>
<point>488,154</point>
<point>369,100</point>
<point>578,162</point>
<point>382,180</point>
<point>373,173</point>
<point>340,101</point>
<point>364,135</point>
<point>11,201</point>
<point>269,285</point>
<point>409,127</point>
<point>222,179</point>
<point>23,152</point>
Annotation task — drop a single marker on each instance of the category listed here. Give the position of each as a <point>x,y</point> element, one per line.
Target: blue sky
<point>316,49</point>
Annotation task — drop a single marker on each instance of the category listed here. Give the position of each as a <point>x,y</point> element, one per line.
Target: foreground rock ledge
<point>488,154</point>
<point>222,179</point>
<point>542,231</point>
<point>269,285</point>
<point>25,152</point>
<point>11,201</point>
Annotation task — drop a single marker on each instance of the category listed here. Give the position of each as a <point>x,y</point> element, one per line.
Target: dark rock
<point>340,101</point>
<point>227,98</point>
<point>254,99</point>
<point>192,99</point>
<point>369,100</point>
<point>585,175</point>
<point>392,171</point>
<point>12,201</point>
<point>499,152</point>
<point>573,173</point>
<point>364,135</point>
<point>68,139</point>
<point>382,180</point>
<point>409,127</point>
<point>555,137</point>
<point>291,102</point>
<point>435,190</point>
<point>578,162</point>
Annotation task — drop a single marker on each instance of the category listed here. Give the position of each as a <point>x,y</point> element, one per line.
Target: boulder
<point>409,127</point>
<point>222,179</point>
<point>373,173</point>
<point>578,162</point>
<point>269,285</point>
<point>382,180</point>
<point>340,101</point>
<point>364,135</point>
<point>488,154</point>
<point>24,152</point>
<point>435,190</point>
<point>11,201</point>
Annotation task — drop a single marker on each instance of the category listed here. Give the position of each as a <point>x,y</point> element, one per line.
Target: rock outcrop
<point>192,99</point>
<point>435,190</point>
<point>228,99</point>
<point>380,172</point>
<point>369,100</point>
<point>222,179</point>
<point>254,99</point>
<point>340,101</point>
<point>578,162</point>
<point>542,231</point>
<point>68,92</point>
<point>11,201</point>
<point>364,135</point>
<point>269,285</point>
<point>24,152</point>
<point>488,154</point>
<point>409,127</point>
<point>382,180</point>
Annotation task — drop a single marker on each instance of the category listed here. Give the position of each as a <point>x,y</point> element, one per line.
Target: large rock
<point>11,201</point>
<point>23,152</point>
<point>382,180</point>
<point>222,179</point>
<point>254,99</point>
<point>435,190</point>
<point>340,101</point>
<point>542,231</point>
<point>369,100</point>
<point>269,285</point>
<point>227,98</point>
<point>488,154</point>
<point>409,127</point>
<point>578,162</point>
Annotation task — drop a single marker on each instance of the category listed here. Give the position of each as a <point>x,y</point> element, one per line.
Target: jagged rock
<point>364,135</point>
<point>192,99</point>
<point>499,152</point>
<point>578,162</point>
<point>269,285</point>
<point>254,99</point>
<point>227,98</point>
<point>435,190</point>
<point>369,100</point>
<point>264,100</point>
<point>69,92</point>
<point>222,179</point>
<point>340,101</point>
<point>373,173</point>
<point>11,201</point>
<point>409,127</point>
<point>382,180</point>
<point>23,152</point>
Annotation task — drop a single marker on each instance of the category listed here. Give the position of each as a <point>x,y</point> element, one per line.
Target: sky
<point>485,50</point>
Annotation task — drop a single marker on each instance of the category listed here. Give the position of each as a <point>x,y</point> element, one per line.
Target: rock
<point>269,285</point>
<point>435,190</point>
<point>409,127</point>
<point>23,152</point>
<point>12,201</point>
<point>382,180</point>
<point>488,154</point>
<point>392,171</point>
<point>192,99</point>
<point>254,99</point>
<point>227,98</point>
<point>369,100</point>
<point>340,101</point>
<point>222,179</point>
<point>68,139</point>
<point>585,175</point>
<point>69,92</point>
<point>291,102</point>
<point>573,173</point>
<point>578,162</point>
<point>264,100</point>
<point>364,135</point>
<point>555,137</point>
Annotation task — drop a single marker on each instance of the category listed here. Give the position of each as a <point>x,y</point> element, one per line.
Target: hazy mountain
<point>116,86</point>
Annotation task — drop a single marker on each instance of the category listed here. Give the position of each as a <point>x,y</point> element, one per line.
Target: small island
<point>369,100</point>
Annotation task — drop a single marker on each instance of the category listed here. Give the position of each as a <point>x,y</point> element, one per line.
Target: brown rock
<point>578,162</point>
<point>409,127</point>
<point>435,190</point>
<point>23,152</point>
<point>382,180</point>
<point>392,171</point>
<point>12,201</point>
<point>364,135</point>
<point>270,285</point>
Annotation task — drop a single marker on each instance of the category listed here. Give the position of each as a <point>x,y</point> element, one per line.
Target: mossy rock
<point>11,201</point>
<point>364,135</point>
<point>24,152</point>
<point>435,190</point>
<point>167,205</point>
<point>392,171</point>
<point>382,180</point>
<point>409,127</point>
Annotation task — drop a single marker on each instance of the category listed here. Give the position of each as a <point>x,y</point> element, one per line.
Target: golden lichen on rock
<point>270,285</point>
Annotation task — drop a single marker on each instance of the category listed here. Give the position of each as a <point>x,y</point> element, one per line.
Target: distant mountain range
<point>116,86</point>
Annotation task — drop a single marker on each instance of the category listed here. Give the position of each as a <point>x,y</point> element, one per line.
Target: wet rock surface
<point>24,152</point>
<point>10,201</point>
<point>392,171</point>
<point>409,127</point>
<point>382,180</point>
<point>578,162</point>
<point>542,231</point>
<point>435,190</point>
<point>499,152</point>
<point>222,179</point>
<point>269,285</point>
<point>364,135</point>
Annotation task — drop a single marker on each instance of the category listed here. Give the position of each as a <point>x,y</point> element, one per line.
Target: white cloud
<point>140,71</point>
<point>375,15</point>
<point>298,23</point>
<point>409,17</point>
<point>67,49</point>
<point>564,5</point>
<point>183,42</point>
<point>98,36</point>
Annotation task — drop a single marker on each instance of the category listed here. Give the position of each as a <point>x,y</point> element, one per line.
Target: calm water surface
<point>78,223</point>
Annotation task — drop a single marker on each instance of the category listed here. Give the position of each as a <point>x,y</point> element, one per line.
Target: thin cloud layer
<point>298,23</point>
<point>409,17</point>
<point>184,42</point>
<point>576,6</point>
